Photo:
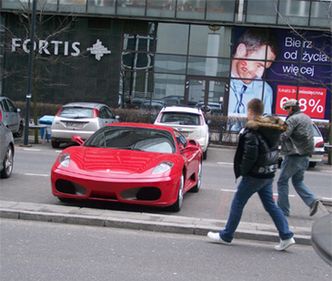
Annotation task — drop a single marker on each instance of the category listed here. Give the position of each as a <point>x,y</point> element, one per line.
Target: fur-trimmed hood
<point>270,127</point>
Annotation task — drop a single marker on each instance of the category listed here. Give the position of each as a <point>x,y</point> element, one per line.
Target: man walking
<point>256,160</point>
<point>297,144</point>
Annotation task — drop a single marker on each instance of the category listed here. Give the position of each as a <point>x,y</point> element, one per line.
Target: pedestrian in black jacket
<point>256,160</point>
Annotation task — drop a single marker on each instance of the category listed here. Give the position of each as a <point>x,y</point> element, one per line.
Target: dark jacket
<point>257,152</point>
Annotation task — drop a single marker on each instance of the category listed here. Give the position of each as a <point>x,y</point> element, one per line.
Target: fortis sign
<point>56,47</point>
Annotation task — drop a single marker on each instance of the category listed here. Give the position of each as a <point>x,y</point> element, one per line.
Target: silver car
<point>6,151</point>
<point>10,116</point>
<point>79,118</point>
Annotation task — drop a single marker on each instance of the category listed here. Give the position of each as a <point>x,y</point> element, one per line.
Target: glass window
<point>73,6</point>
<point>320,13</point>
<point>44,5</point>
<point>220,10</point>
<point>170,64</point>
<point>261,11</point>
<point>161,8</point>
<point>101,6</point>
<point>190,9</point>
<point>209,41</point>
<point>294,12</point>
<point>131,7</point>
<point>208,66</point>
<point>172,38</point>
<point>166,85</point>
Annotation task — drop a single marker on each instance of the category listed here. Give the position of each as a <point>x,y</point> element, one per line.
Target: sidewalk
<point>141,221</point>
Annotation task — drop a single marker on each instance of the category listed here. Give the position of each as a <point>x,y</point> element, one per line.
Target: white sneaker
<point>215,237</point>
<point>284,244</point>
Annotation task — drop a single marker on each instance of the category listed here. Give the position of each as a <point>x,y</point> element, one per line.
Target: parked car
<point>10,116</point>
<point>319,148</point>
<point>189,121</point>
<point>213,108</point>
<point>133,163</point>
<point>6,151</point>
<point>79,118</point>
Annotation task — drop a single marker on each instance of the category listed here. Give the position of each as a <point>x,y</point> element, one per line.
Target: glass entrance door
<point>207,93</point>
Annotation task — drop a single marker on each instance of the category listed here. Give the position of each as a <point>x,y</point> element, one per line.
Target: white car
<point>79,118</point>
<point>190,122</point>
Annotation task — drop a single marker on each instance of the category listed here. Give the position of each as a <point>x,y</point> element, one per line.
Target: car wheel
<point>199,179</point>
<point>8,163</point>
<point>65,200</point>
<point>19,133</point>
<point>312,164</point>
<point>55,143</point>
<point>205,154</point>
<point>178,204</point>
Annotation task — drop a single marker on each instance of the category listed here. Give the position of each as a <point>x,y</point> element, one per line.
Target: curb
<point>140,221</point>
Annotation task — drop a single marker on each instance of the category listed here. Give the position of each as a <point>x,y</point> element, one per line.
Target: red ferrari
<point>132,163</point>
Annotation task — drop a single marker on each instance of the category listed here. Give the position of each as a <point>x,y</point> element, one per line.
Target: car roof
<point>185,109</point>
<point>142,125</point>
<point>85,104</point>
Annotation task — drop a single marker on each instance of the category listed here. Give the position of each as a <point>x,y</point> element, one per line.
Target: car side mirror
<point>77,139</point>
<point>117,117</point>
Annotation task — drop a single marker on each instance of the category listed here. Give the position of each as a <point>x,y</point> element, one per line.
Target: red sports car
<point>131,163</point>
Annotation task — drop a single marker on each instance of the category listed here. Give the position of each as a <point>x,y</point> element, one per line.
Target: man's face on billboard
<point>252,63</point>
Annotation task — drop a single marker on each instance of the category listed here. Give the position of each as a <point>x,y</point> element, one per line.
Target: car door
<point>13,116</point>
<point>108,115</point>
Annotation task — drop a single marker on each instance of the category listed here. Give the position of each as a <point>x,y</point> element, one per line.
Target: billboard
<point>276,65</point>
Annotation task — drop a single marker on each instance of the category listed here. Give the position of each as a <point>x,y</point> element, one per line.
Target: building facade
<point>148,53</point>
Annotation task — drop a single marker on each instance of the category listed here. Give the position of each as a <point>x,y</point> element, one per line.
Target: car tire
<point>205,155</point>
<point>19,133</point>
<point>176,207</point>
<point>65,200</point>
<point>55,143</point>
<point>8,163</point>
<point>312,164</point>
<point>197,187</point>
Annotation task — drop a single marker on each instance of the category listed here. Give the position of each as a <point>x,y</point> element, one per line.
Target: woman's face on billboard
<point>252,64</point>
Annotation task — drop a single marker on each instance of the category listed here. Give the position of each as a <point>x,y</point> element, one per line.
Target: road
<point>33,251</point>
<point>30,182</point>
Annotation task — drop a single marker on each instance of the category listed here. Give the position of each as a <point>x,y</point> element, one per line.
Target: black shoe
<point>314,208</point>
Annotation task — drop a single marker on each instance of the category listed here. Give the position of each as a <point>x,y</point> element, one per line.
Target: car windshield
<point>77,112</point>
<point>181,118</point>
<point>133,139</point>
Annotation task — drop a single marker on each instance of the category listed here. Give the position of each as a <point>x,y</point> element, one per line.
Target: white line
<point>37,175</point>
<point>32,149</point>
<point>225,163</point>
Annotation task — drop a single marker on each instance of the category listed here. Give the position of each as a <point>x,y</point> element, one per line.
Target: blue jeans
<point>246,188</point>
<point>293,166</point>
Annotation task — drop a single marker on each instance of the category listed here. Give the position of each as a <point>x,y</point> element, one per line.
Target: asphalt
<point>253,230</point>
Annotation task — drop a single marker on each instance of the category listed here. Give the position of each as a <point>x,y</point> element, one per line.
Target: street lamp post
<point>30,73</point>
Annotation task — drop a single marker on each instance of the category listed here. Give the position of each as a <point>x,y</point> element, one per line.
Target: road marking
<point>225,163</point>
<point>31,149</point>
<point>37,175</point>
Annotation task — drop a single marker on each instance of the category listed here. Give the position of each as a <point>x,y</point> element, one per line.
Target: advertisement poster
<point>295,65</point>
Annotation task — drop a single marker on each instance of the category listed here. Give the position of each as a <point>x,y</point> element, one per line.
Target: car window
<point>77,112</point>
<point>133,139</point>
<point>316,131</point>
<point>11,106</point>
<point>5,106</point>
<point>181,118</point>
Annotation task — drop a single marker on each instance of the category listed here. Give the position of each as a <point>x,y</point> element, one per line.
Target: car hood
<point>106,161</point>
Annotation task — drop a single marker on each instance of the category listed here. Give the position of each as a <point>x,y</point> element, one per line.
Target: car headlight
<point>64,160</point>
<point>162,168</point>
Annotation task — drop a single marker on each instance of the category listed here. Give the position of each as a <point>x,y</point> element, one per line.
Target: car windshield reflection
<point>131,138</point>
